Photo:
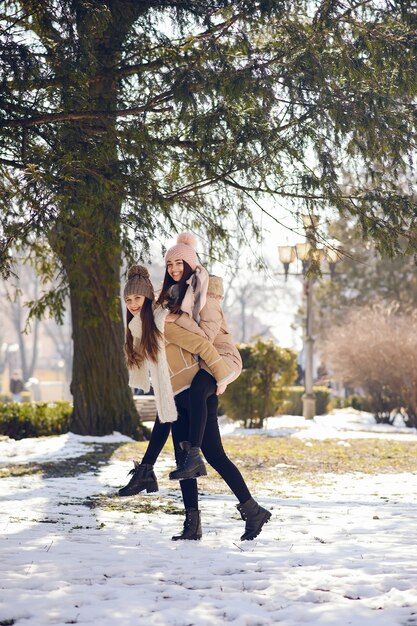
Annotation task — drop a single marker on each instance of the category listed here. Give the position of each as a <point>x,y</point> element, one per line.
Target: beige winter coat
<point>180,346</point>
<point>176,364</point>
<point>213,326</point>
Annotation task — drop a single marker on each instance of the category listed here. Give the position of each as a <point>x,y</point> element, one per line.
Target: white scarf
<point>159,371</point>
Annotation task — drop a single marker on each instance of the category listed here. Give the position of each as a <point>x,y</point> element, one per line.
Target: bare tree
<point>13,298</point>
<point>60,336</point>
<point>375,350</point>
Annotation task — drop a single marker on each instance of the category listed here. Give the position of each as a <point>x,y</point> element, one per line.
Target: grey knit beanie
<point>138,283</point>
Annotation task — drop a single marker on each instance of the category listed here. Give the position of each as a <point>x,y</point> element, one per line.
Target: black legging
<point>159,436</point>
<point>202,387</point>
<point>212,448</point>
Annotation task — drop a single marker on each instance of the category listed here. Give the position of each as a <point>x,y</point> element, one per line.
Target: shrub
<point>34,419</point>
<point>356,401</point>
<point>260,389</point>
<point>375,350</point>
<point>293,404</point>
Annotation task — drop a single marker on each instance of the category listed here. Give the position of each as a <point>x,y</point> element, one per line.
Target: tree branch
<point>75,116</point>
<point>12,163</point>
<point>285,194</point>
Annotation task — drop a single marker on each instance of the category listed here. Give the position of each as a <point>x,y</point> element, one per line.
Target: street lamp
<point>307,252</point>
<point>287,255</point>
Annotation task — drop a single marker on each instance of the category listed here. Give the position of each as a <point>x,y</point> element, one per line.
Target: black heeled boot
<point>192,526</point>
<point>143,477</point>
<point>255,517</point>
<point>191,465</point>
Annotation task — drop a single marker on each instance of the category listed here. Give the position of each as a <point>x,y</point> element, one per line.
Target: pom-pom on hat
<point>138,283</point>
<point>184,249</point>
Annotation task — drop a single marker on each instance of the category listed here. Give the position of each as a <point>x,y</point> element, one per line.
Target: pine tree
<point>118,118</point>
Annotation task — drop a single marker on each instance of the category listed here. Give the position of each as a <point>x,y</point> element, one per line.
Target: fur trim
<point>159,315</point>
<point>215,286</point>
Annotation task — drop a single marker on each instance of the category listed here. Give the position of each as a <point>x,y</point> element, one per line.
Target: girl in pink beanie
<point>184,271</point>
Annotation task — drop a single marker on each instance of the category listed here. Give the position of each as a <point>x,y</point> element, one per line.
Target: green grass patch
<point>136,504</point>
<point>265,459</point>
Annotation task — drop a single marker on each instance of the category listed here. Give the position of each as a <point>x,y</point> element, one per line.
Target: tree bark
<point>103,402</point>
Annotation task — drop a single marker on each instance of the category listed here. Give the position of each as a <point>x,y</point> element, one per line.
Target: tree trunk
<point>103,402</point>
<point>35,338</point>
<point>26,367</point>
<point>88,236</point>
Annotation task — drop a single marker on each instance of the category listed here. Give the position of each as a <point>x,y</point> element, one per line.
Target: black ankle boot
<point>143,477</point>
<point>191,465</point>
<point>192,526</point>
<point>255,517</point>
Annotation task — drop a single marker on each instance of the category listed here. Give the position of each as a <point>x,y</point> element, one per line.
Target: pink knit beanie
<point>184,249</point>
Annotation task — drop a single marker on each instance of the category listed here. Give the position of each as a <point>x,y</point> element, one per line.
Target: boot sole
<point>151,488</point>
<point>196,474</point>
<point>265,520</point>
<point>186,538</point>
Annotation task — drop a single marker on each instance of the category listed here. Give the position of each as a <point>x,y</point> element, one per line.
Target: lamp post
<point>307,253</point>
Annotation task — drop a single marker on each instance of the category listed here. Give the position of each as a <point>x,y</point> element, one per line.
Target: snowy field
<point>338,551</point>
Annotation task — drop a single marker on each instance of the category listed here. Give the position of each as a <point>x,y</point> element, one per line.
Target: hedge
<point>361,403</point>
<point>293,404</point>
<point>34,419</point>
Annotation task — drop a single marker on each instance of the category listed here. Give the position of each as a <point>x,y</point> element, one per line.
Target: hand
<point>220,389</point>
<point>172,317</point>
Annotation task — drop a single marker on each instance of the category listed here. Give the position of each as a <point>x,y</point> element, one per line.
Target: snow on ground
<point>340,424</point>
<point>338,552</point>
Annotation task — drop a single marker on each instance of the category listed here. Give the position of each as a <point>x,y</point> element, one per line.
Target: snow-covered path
<point>336,553</point>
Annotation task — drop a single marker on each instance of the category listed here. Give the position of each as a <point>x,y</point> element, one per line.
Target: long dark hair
<point>166,298</point>
<point>148,347</point>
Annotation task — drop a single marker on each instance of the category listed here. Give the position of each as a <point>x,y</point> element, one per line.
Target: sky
<point>338,550</point>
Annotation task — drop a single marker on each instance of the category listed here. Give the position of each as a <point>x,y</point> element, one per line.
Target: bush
<point>259,391</point>
<point>360,403</point>
<point>34,419</point>
<point>293,404</point>
<point>375,351</point>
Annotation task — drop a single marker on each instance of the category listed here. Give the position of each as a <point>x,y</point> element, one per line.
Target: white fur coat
<point>159,371</point>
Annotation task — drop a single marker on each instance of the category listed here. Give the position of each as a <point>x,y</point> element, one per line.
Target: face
<point>134,303</point>
<point>175,269</point>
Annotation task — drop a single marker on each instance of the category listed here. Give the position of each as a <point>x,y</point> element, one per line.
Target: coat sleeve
<point>211,318</point>
<point>198,345</point>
